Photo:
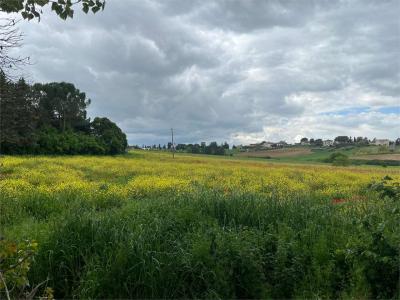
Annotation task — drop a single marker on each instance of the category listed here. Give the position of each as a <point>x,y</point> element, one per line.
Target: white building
<point>328,143</point>
<point>381,142</point>
<point>267,144</point>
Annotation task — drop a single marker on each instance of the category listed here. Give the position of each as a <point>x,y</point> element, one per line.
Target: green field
<point>144,225</point>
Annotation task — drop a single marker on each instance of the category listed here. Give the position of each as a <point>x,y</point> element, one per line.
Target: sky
<point>240,71</point>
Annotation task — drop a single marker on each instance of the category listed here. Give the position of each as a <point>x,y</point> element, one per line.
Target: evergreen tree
<point>17,116</point>
<point>52,119</point>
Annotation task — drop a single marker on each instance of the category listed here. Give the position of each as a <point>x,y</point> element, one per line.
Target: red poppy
<point>342,200</point>
<point>338,200</point>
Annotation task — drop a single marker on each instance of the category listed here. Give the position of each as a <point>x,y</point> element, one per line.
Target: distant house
<point>381,142</point>
<point>281,144</point>
<point>267,145</point>
<point>327,143</point>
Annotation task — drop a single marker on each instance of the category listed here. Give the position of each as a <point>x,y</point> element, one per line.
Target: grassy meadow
<point>144,225</point>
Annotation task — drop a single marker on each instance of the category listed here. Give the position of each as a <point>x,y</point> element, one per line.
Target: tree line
<point>344,140</point>
<point>51,118</point>
<point>212,148</point>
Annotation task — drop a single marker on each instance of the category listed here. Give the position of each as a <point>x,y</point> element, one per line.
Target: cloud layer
<point>238,71</point>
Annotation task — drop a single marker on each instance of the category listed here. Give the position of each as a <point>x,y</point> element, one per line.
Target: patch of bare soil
<point>277,153</point>
<point>393,156</point>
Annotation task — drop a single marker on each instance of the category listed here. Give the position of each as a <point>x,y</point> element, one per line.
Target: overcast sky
<point>236,71</point>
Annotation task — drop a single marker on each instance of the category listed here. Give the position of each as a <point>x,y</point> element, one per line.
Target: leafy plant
<point>15,261</point>
<point>386,188</point>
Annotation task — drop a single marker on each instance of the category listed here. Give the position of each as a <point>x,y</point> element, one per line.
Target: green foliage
<point>212,149</point>
<point>52,119</point>
<point>206,245</point>
<point>318,143</point>
<point>374,256</point>
<point>376,162</point>
<point>31,9</point>
<point>342,139</point>
<point>18,117</point>
<point>61,105</point>
<point>338,159</point>
<point>385,188</point>
<point>99,241</point>
<point>15,261</point>
<point>109,135</point>
<point>51,141</point>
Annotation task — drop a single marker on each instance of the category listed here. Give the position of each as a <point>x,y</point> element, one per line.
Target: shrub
<point>15,262</point>
<point>51,141</point>
<point>338,159</point>
<point>385,188</point>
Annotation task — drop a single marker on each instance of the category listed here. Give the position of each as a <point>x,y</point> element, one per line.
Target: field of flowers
<point>144,225</point>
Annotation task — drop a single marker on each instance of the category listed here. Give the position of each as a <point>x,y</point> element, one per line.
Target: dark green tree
<point>17,116</point>
<point>319,142</point>
<point>62,105</point>
<point>109,135</point>
<point>342,139</point>
<point>6,115</point>
<point>304,140</point>
<point>51,119</point>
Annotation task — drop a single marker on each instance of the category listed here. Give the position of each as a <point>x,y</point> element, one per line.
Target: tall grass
<point>210,246</point>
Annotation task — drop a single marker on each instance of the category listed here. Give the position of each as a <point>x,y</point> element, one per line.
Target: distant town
<point>220,149</point>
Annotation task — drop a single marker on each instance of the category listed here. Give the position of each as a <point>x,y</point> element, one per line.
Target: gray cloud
<point>240,71</point>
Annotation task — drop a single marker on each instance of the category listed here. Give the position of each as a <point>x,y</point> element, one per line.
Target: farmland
<point>379,157</point>
<point>373,155</point>
<point>277,153</point>
<point>144,225</point>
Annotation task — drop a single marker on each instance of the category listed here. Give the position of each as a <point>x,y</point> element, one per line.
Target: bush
<point>51,141</point>
<point>15,262</point>
<point>338,159</point>
<point>386,188</point>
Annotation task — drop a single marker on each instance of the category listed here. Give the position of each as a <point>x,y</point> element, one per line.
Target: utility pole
<point>172,146</point>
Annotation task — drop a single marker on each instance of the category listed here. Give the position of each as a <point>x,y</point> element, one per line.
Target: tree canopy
<point>51,118</point>
<point>61,105</point>
<point>112,139</point>
<point>30,9</point>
